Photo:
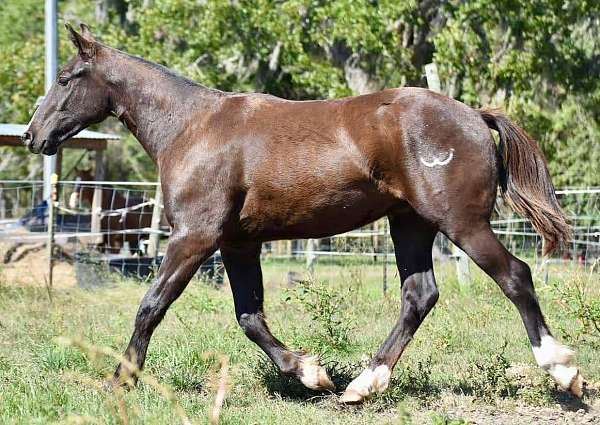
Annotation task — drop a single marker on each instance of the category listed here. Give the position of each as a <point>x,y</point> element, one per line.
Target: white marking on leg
<point>551,352</point>
<point>313,375</point>
<point>366,384</point>
<point>438,161</point>
<point>556,359</point>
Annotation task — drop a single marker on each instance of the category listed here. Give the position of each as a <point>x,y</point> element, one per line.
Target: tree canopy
<point>540,60</point>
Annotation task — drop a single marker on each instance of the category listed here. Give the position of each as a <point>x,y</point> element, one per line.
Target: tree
<point>538,59</point>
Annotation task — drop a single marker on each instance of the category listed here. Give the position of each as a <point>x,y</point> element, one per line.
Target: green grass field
<point>469,362</point>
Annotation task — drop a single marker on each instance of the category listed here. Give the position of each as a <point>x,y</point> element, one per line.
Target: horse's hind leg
<point>242,263</point>
<point>413,240</point>
<point>514,278</point>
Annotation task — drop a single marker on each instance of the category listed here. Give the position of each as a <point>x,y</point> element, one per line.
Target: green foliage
<point>489,380</point>
<point>581,304</point>
<point>56,358</point>
<point>410,380</point>
<point>538,59</point>
<point>327,307</point>
<point>445,420</point>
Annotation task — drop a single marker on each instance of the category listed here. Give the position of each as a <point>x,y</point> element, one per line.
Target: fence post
<point>51,204</point>
<point>463,272</point>
<point>96,226</point>
<point>310,254</point>
<point>433,79</point>
<point>154,240</point>
<point>2,204</point>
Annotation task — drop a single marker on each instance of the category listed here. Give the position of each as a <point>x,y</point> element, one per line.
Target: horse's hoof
<point>577,385</point>
<point>351,397</point>
<point>314,376</point>
<point>369,382</point>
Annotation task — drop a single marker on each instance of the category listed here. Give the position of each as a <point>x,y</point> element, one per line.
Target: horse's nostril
<point>26,137</point>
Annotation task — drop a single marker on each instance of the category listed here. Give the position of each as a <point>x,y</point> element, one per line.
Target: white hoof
<point>556,359</point>
<point>366,384</point>
<point>313,375</point>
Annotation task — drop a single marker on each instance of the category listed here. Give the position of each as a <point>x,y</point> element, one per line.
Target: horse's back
<point>330,166</point>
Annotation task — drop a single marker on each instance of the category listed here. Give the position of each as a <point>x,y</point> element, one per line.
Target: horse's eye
<point>63,81</point>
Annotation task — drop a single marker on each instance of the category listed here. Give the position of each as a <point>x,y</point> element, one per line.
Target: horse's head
<point>78,98</point>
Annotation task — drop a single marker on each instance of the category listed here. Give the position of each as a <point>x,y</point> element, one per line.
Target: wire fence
<point>120,224</point>
<point>121,209</point>
<point>373,244</point>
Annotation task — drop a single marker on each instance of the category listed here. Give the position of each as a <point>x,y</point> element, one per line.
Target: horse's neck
<point>156,105</point>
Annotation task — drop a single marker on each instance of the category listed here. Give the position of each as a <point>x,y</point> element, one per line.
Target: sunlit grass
<point>471,349</point>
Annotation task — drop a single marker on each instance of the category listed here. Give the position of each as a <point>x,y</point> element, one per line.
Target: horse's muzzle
<point>45,147</point>
<point>27,139</point>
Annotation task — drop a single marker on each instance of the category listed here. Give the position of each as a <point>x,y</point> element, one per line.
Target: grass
<point>471,356</point>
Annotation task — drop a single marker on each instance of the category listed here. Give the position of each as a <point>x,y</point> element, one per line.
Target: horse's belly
<point>309,212</point>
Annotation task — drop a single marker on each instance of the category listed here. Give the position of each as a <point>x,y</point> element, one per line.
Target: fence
<point>108,222</point>
<point>373,243</point>
<point>119,223</point>
<point>85,210</point>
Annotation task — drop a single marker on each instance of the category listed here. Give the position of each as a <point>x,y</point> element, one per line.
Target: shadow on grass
<point>415,382</point>
<point>571,403</point>
<point>288,387</point>
<point>407,382</point>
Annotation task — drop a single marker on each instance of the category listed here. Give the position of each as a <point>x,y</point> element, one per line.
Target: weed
<point>414,381</point>
<point>490,380</point>
<point>437,419</point>
<point>204,300</point>
<point>327,307</point>
<point>577,297</point>
<point>538,391</point>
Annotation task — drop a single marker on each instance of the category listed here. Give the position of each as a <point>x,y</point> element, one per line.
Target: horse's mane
<point>167,72</point>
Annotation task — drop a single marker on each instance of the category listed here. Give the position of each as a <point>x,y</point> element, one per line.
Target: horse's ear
<point>86,32</point>
<point>85,43</point>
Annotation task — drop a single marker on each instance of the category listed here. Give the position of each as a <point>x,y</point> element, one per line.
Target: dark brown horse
<point>120,213</point>
<point>240,169</point>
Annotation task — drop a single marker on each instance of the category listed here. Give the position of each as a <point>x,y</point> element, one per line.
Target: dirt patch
<point>32,270</point>
<point>567,410</point>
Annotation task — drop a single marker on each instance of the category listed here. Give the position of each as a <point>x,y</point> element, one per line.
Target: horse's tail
<point>525,181</point>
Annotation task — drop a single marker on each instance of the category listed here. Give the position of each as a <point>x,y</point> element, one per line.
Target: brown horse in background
<point>241,169</point>
<point>114,225</point>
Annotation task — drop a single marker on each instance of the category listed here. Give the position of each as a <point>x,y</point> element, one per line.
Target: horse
<point>239,169</point>
<point>111,225</point>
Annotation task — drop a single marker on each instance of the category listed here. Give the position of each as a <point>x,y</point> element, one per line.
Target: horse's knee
<point>149,314</point>
<point>422,293</point>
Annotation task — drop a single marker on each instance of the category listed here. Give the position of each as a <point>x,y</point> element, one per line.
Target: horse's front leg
<point>185,253</point>
<point>242,263</point>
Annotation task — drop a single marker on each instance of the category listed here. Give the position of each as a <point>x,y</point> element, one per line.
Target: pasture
<point>470,362</point>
